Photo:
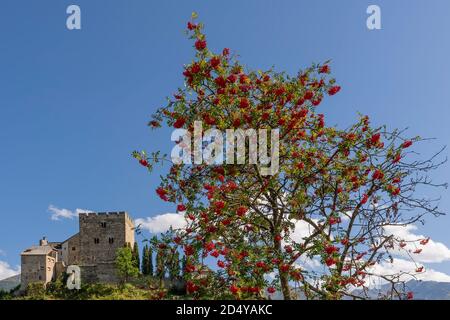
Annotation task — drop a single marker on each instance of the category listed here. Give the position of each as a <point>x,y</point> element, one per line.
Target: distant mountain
<point>429,290</point>
<point>423,290</point>
<point>10,283</point>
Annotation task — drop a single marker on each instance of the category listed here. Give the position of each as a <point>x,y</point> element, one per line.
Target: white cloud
<point>308,263</point>
<point>162,222</point>
<point>302,230</point>
<point>7,271</point>
<point>58,214</point>
<point>432,252</point>
<point>399,266</point>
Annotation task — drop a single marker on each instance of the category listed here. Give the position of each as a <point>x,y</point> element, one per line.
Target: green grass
<point>142,288</point>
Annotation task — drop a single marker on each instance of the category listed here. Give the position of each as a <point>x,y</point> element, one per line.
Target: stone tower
<point>101,234</point>
<point>38,263</point>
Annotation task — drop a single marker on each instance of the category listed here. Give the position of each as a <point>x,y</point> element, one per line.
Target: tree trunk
<point>284,281</point>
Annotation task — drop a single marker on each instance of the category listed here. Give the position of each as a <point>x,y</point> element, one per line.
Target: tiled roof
<point>38,250</point>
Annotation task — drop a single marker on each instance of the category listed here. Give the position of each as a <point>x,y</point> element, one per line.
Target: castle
<point>93,249</point>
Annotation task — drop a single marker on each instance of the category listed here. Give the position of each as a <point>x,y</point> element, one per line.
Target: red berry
<point>220,82</point>
<point>191,26</point>
<point>284,268</point>
<point>200,44</point>
<point>244,103</point>
<point>241,211</point>
<point>330,261</point>
<point>324,69</point>
<point>364,199</point>
<point>308,95</point>
<point>397,158</point>
<point>143,162</point>
<point>234,289</point>
<point>407,144</point>
<point>214,62</point>
<point>375,138</point>
<point>179,123</point>
<point>271,290</point>
<point>331,249</point>
<point>333,90</point>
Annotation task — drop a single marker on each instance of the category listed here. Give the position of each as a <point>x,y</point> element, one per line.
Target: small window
<point>103,224</point>
<point>111,240</point>
<point>73,248</point>
<point>96,240</point>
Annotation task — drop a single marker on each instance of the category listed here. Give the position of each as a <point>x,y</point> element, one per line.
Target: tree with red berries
<point>319,224</point>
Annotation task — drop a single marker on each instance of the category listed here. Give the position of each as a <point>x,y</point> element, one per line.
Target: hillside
<point>423,290</point>
<point>9,283</point>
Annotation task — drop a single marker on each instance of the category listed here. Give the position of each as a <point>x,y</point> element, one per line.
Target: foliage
<point>174,266</point>
<point>144,266</point>
<point>125,264</point>
<point>99,291</point>
<point>36,291</point>
<point>147,260</point>
<point>136,258</point>
<point>330,203</point>
<point>161,269</point>
<point>150,261</point>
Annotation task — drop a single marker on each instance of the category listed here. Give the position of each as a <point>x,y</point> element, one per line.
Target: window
<point>103,224</point>
<point>73,248</point>
<point>96,240</point>
<point>111,240</point>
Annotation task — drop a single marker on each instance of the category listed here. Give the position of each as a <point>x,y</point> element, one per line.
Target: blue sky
<point>74,104</point>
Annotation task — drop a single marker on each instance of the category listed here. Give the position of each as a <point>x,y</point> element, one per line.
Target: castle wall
<point>70,251</point>
<point>101,235</point>
<point>37,268</point>
<point>101,272</point>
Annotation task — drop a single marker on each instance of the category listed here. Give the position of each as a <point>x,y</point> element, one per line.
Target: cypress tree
<point>174,271</point>
<point>144,265</point>
<point>150,261</point>
<point>160,265</point>
<point>183,266</point>
<point>136,259</point>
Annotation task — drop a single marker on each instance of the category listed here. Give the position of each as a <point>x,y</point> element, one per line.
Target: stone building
<point>38,263</point>
<point>93,249</point>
